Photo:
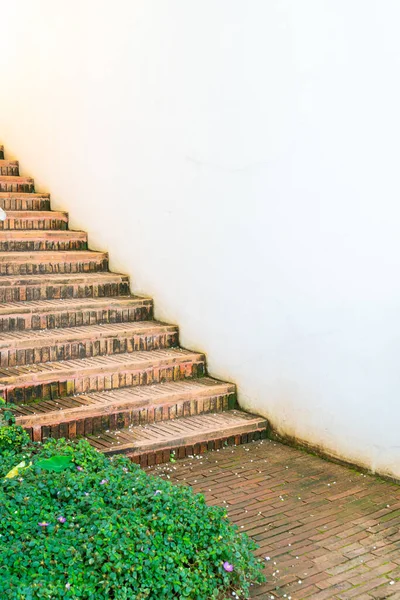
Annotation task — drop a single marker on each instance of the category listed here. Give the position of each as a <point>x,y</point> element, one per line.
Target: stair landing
<point>80,356</point>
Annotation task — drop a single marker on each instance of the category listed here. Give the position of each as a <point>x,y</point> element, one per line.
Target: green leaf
<point>56,463</point>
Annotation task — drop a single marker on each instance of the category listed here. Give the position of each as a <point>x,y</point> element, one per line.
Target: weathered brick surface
<point>52,380</point>
<point>9,167</point>
<point>47,263</point>
<point>16,184</point>
<point>324,531</point>
<point>34,220</point>
<point>34,241</point>
<point>18,349</point>
<point>149,459</point>
<point>51,314</point>
<point>61,287</point>
<point>128,406</point>
<point>25,202</point>
<point>112,420</point>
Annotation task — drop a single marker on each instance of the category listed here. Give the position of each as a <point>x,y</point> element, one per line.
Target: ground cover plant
<point>75,524</point>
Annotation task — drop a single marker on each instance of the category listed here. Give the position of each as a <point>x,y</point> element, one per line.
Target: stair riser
<point>11,268</point>
<point>100,382</point>
<point>9,170</point>
<point>25,203</point>
<point>36,224</point>
<point>88,349</point>
<point>40,245</point>
<point>15,187</point>
<point>148,459</point>
<point>75,318</point>
<point>137,416</point>
<point>53,292</point>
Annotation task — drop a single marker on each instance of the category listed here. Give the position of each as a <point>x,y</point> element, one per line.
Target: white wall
<point>240,160</point>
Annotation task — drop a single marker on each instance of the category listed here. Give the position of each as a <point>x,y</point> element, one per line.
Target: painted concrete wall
<point>240,160</point>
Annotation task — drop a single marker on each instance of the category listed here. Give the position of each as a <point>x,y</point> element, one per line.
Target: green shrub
<point>11,435</point>
<point>101,529</point>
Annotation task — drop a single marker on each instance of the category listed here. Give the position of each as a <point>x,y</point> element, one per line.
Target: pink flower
<point>157,492</point>
<point>103,481</point>
<point>228,567</point>
<point>43,524</point>
<point>61,519</point>
<point>78,468</point>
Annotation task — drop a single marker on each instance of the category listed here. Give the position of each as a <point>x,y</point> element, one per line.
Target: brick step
<point>9,167</point>
<point>30,347</point>
<point>65,378</point>
<point>16,184</point>
<point>180,435</point>
<point>51,314</point>
<point>86,414</point>
<point>33,240</point>
<point>34,263</point>
<point>73,285</point>
<point>149,458</point>
<point>35,219</point>
<point>13,201</point>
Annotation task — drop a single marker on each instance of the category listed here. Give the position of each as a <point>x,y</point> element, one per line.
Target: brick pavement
<point>324,530</point>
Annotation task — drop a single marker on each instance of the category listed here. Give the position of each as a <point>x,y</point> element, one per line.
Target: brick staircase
<point>81,356</point>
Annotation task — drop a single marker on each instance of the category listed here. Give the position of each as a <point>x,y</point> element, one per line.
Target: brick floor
<point>324,531</point>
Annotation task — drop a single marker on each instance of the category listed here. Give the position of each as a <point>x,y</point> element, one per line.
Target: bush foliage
<point>11,435</point>
<point>85,526</point>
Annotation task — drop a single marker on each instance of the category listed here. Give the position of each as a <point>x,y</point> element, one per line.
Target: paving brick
<point>381,583</point>
<point>326,544</point>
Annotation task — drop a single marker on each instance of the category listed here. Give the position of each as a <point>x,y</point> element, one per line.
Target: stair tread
<point>37,214</point>
<point>38,306</point>
<point>37,374</point>
<point>177,432</point>
<point>70,408</point>
<point>59,278</point>
<point>48,255</point>
<point>30,339</point>
<point>40,234</point>
<point>24,195</point>
<point>16,179</point>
